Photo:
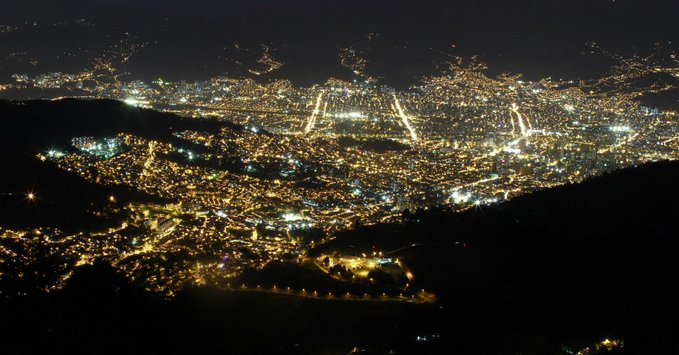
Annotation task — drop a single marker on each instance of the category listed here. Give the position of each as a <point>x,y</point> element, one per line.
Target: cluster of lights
<point>292,217</point>
<point>620,129</point>
<point>55,153</point>
<point>346,115</point>
<point>459,198</point>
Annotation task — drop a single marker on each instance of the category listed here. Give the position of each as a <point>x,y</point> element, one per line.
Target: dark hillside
<point>547,273</point>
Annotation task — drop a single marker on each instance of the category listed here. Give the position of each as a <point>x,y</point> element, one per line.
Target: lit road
<point>475,183</point>
<point>625,141</point>
<point>519,116</point>
<point>404,117</point>
<point>419,298</point>
<point>149,160</point>
<point>312,120</point>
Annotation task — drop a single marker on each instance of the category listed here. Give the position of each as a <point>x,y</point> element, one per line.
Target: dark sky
<point>620,20</point>
<point>537,37</point>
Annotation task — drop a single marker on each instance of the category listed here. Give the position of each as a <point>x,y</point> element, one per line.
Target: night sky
<point>191,39</point>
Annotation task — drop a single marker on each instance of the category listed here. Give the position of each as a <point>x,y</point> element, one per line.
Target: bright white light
<point>461,198</point>
<point>292,217</point>
<point>347,115</point>
<point>132,102</point>
<point>55,154</point>
<point>620,128</point>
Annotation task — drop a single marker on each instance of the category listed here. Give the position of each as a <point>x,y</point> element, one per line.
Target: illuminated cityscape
<point>343,190</point>
<point>330,156</point>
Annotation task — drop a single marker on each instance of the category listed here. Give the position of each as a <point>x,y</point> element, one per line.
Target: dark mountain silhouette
<point>563,263</point>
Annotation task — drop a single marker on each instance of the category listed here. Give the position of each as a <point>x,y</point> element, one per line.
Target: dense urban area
<point>311,161</point>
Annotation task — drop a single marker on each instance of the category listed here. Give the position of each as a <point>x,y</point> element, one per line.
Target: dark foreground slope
<point>548,273</point>
<point>566,263</point>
